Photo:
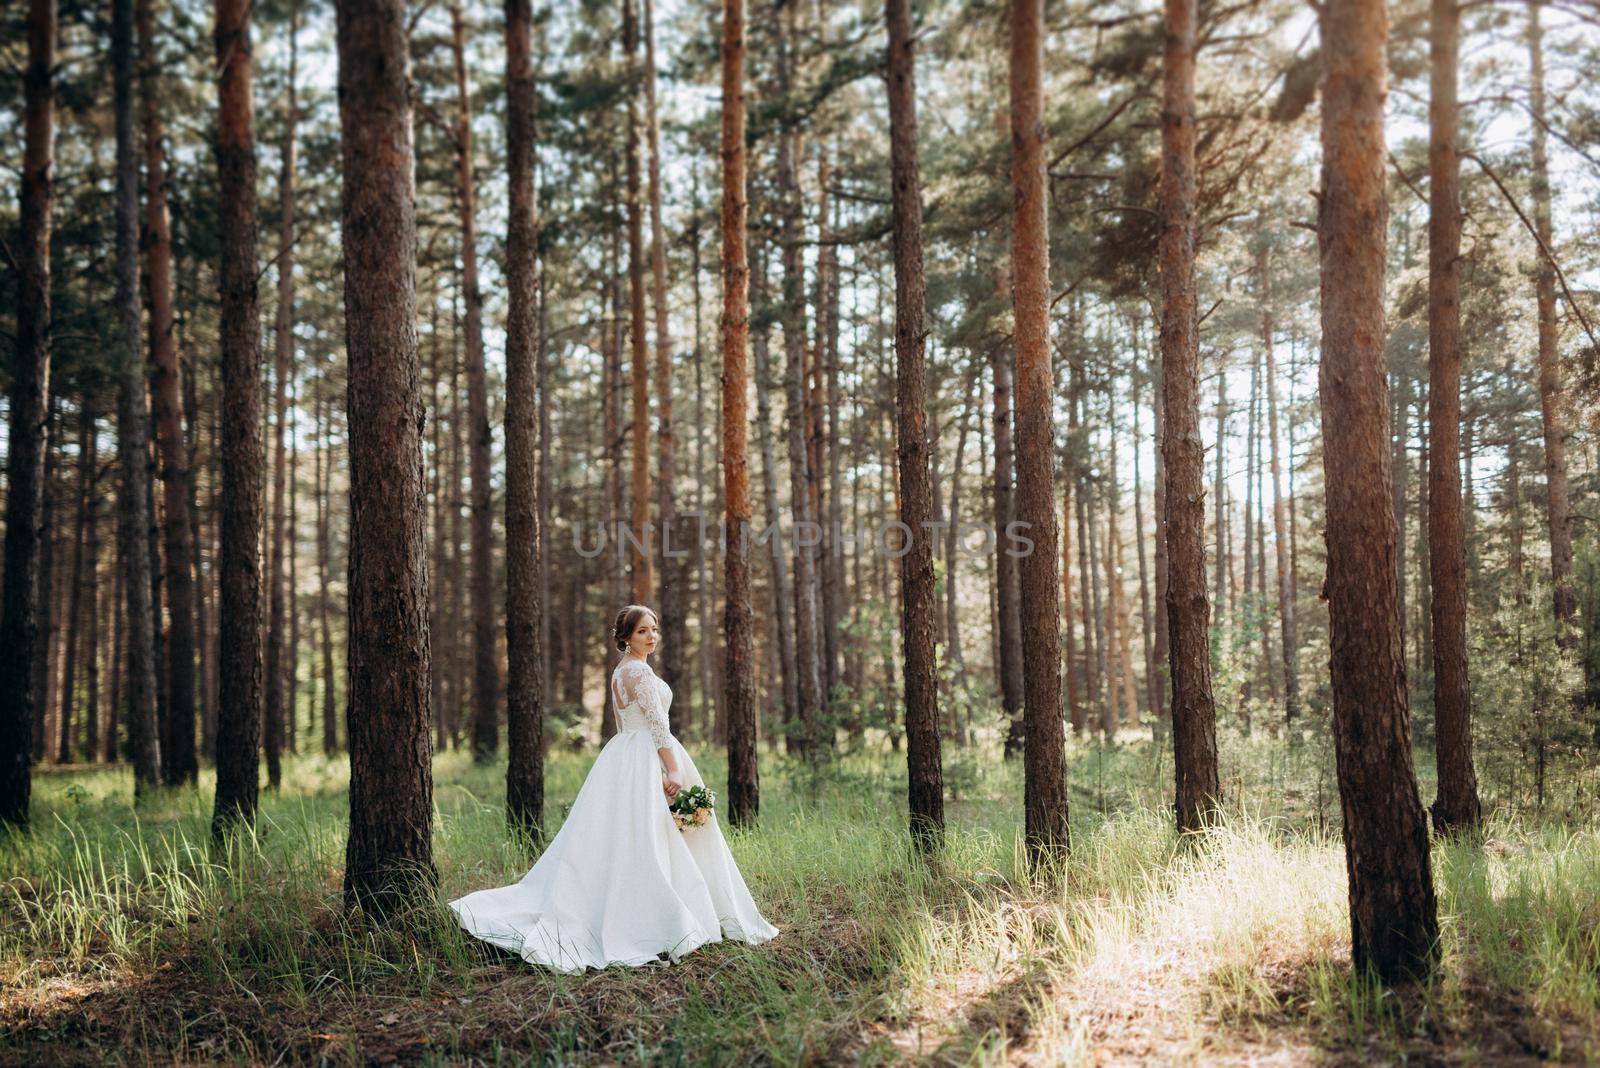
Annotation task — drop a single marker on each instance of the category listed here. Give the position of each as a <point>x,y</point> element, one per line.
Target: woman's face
<point>646,636</point>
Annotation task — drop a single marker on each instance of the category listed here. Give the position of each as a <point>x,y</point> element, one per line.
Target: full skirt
<point>620,883</point>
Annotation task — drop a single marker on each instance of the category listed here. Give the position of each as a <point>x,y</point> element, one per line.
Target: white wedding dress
<point>620,883</point>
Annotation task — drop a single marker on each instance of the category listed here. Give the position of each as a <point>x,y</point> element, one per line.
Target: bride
<point>620,883</point>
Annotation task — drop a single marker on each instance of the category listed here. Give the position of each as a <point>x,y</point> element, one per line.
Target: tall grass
<point>123,928</point>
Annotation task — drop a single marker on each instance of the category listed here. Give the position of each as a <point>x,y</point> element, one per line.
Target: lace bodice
<point>642,700</point>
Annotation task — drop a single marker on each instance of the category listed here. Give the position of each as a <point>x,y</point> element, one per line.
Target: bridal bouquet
<point>692,807</point>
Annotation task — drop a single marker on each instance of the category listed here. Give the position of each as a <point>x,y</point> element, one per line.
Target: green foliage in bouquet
<point>693,807</point>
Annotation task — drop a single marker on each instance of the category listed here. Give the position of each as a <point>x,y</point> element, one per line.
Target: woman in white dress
<point>620,883</point>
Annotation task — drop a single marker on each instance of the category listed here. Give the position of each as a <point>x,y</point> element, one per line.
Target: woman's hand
<point>670,786</point>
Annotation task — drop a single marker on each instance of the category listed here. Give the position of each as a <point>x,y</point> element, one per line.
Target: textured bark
<point>1558,503</point>
<point>239,617</point>
<point>485,662</point>
<point>1392,911</point>
<point>273,728</point>
<point>179,760</point>
<point>674,628</point>
<point>133,424</point>
<point>20,712</point>
<point>918,609</point>
<point>1194,716</point>
<point>389,857</point>
<point>525,675</point>
<point>1280,534</point>
<point>1456,808</point>
<point>738,657</point>
<point>1044,762</point>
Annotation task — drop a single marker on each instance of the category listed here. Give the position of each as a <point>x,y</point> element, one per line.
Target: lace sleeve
<point>637,686</point>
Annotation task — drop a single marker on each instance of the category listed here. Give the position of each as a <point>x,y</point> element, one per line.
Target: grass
<point>123,937</point>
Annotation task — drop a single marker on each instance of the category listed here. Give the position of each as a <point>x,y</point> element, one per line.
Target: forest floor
<point>123,938</point>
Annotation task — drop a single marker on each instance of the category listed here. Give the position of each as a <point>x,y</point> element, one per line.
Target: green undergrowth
<point>123,933</point>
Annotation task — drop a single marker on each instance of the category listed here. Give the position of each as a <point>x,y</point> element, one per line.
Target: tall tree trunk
<point>239,617</point>
<point>1280,535</point>
<point>179,759</point>
<point>458,648</point>
<point>291,658</point>
<point>616,565</point>
<point>20,711</point>
<point>485,664</point>
<point>330,716</point>
<point>809,683</point>
<point>1456,808</point>
<point>525,675</point>
<point>273,730</point>
<point>1394,923</point>
<point>389,858</point>
<point>833,583</point>
<point>133,424</point>
<point>1152,680</point>
<point>777,558</point>
<point>117,613</point>
<point>641,567</point>
<point>1198,785</point>
<point>1075,714</point>
<point>48,581</point>
<point>918,610</point>
<point>738,661</point>
<point>1551,401</point>
<point>1401,489</point>
<point>1009,609</point>
<point>203,638</point>
<point>952,539</point>
<point>1088,575</point>
<point>1160,655</point>
<point>1219,505</point>
<point>675,632</point>
<point>1044,762</point>
<point>702,578</point>
<point>86,465</point>
<point>440,626</point>
<point>92,719</point>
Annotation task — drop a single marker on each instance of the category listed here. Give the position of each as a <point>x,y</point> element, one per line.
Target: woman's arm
<point>669,772</point>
